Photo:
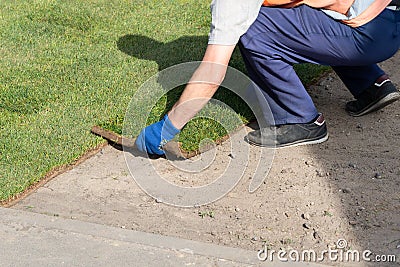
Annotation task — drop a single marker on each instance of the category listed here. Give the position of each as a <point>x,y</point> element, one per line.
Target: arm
<point>230,19</point>
<point>204,83</point>
<point>202,86</point>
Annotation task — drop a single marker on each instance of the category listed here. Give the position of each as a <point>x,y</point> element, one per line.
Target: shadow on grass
<point>182,50</point>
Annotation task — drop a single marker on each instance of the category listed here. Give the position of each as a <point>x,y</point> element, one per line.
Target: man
<point>351,36</point>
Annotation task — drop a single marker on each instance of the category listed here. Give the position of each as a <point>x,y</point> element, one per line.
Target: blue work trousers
<point>280,38</point>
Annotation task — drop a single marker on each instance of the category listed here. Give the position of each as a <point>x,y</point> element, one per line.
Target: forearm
<point>203,84</point>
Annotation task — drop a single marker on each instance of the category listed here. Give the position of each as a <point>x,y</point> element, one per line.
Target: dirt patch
<point>50,175</point>
<point>346,188</point>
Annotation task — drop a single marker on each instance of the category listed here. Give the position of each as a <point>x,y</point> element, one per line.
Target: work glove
<point>153,137</point>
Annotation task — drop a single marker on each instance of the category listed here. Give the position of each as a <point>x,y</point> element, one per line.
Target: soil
<point>345,188</point>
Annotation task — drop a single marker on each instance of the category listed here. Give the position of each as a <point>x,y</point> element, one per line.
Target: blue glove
<point>153,137</point>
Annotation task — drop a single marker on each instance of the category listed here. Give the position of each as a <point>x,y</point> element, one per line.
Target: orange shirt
<point>342,7</point>
<point>335,5</point>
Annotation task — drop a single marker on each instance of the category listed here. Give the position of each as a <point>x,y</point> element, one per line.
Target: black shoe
<point>290,134</point>
<point>375,97</point>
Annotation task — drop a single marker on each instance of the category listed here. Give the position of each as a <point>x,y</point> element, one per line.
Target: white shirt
<point>231,19</point>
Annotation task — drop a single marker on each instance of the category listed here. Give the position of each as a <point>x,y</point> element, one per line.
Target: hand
<point>153,137</point>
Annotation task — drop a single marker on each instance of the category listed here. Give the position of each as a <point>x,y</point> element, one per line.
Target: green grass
<point>68,65</point>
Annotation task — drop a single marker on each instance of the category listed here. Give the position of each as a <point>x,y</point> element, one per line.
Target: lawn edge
<point>116,140</point>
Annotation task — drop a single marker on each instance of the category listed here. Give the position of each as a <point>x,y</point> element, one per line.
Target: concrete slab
<point>32,239</point>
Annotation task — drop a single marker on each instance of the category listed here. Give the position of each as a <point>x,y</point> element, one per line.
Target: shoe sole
<point>383,102</point>
<point>296,143</point>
